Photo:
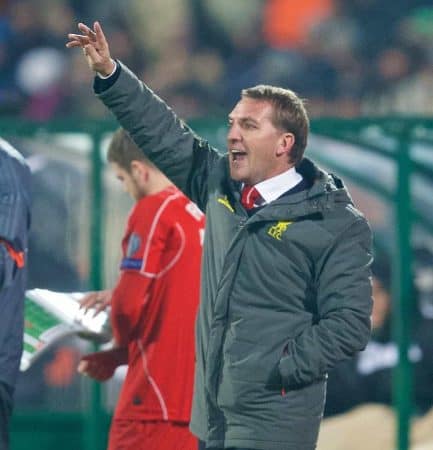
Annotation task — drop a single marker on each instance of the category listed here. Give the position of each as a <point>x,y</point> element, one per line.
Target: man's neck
<point>158,184</point>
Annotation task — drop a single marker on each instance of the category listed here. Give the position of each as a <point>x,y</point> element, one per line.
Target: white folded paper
<point>50,316</point>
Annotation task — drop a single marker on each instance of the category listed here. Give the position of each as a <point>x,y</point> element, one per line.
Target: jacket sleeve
<point>14,212</point>
<point>344,306</point>
<point>165,139</point>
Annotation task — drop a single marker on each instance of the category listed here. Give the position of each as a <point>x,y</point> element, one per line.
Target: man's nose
<point>234,134</point>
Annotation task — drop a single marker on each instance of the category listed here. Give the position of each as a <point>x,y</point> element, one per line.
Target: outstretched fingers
<point>100,36</point>
<point>87,31</point>
<point>77,40</point>
<point>81,40</point>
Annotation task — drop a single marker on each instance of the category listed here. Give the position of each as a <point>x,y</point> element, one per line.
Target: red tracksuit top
<point>154,306</point>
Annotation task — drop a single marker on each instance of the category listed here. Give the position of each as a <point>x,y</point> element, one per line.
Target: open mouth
<point>238,155</point>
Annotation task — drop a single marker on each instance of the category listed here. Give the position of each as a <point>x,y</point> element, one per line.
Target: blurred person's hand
<point>95,48</point>
<point>61,370</point>
<point>101,365</point>
<point>98,300</point>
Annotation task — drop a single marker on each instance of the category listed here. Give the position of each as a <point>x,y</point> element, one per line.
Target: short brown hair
<point>289,114</point>
<point>122,150</point>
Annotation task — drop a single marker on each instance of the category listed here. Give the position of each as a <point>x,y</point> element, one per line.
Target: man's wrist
<point>101,84</point>
<point>107,73</point>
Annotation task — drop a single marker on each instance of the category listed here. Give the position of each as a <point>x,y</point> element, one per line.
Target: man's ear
<point>139,171</point>
<point>286,143</point>
<point>135,167</point>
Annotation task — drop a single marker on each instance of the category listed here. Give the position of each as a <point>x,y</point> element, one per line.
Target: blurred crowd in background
<point>345,57</point>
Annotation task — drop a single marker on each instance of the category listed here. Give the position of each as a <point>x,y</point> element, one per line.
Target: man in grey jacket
<point>14,226</point>
<point>285,290</point>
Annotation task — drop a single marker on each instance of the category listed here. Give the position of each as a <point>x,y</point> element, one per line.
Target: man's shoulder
<point>148,206</point>
<point>181,209</point>
<point>15,177</point>
<point>13,166</point>
<point>166,206</point>
<point>7,151</point>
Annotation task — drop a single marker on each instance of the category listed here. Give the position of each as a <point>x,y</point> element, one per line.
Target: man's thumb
<point>82,366</point>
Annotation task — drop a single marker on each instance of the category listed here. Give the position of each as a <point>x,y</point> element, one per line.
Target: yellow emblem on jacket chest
<point>277,230</point>
<point>224,201</point>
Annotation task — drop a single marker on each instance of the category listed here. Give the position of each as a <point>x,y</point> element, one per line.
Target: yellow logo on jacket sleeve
<point>277,230</point>
<point>224,201</point>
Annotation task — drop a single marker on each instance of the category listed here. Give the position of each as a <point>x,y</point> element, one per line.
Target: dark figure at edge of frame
<point>14,228</point>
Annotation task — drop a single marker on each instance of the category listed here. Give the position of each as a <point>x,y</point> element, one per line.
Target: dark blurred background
<point>345,57</point>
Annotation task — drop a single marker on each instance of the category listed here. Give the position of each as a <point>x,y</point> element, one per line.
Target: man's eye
<point>249,125</point>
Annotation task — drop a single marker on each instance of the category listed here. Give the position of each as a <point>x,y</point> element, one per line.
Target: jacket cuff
<point>102,84</point>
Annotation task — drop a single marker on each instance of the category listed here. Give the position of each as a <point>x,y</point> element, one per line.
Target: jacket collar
<point>325,191</point>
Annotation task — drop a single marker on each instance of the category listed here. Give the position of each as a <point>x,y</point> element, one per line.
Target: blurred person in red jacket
<point>153,308</point>
<point>286,25</point>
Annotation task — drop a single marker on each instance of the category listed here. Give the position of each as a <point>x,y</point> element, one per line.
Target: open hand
<point>95,48</point>
<point>98,300</point>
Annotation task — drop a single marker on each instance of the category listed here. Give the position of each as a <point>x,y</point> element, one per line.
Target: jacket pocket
<point>253,363</point>
<point>306,401</point>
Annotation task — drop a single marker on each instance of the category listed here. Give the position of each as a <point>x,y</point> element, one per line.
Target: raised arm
<point>165,139</point>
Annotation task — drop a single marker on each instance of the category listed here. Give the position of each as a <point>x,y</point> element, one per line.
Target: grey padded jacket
<point>285,293</point>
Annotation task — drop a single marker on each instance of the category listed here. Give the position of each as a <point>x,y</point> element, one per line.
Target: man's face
<point>129,182</point>
<point>257,149</point>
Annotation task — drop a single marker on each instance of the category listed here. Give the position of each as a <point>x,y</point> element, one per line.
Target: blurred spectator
<point>288,24</point>
<point>404,81</point>
<point>362,388</point>
<point>245,60</point>
<point>181,72</point>
<point>368,377</point>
